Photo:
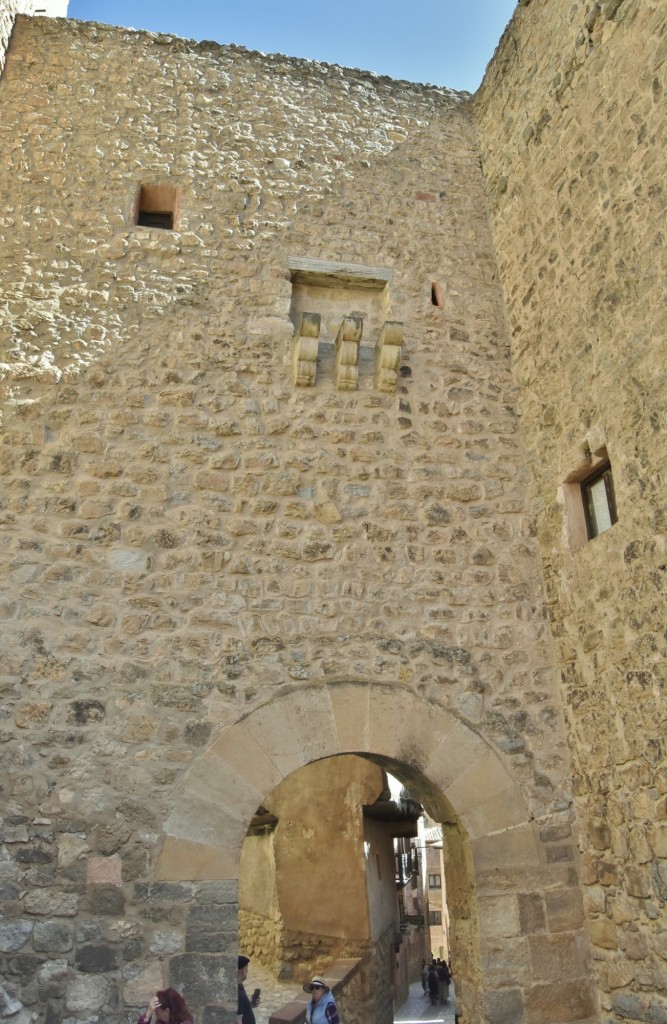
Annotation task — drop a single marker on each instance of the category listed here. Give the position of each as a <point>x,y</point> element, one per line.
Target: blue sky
<point>444,42</point>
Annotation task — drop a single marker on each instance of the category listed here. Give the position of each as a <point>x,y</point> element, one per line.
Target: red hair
<point>173,1001</point>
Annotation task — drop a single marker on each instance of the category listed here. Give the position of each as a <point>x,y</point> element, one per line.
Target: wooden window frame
<point>603,472</point>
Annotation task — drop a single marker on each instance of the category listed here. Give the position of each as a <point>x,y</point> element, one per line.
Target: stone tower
<point>311,381</point>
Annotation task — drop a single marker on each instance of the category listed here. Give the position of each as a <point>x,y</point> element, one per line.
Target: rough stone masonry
<point>200,554</point>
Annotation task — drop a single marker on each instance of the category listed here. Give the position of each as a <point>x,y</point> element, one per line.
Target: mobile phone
<point>255,997</point>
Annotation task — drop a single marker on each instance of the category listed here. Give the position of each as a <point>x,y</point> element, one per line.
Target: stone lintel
<point>328,273</point>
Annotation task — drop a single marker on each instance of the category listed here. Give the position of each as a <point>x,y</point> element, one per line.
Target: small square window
<point>589,500</point>
<point>157,207</point>
<point>597,492</point>
<point>434,882</point>
<point>435,917</point>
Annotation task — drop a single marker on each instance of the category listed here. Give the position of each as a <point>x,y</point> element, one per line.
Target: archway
<point>517,919</point>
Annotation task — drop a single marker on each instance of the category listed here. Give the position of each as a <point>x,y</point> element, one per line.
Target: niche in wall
<point>344,333</point>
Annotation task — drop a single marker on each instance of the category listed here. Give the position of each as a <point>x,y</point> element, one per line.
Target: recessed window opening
<point>597,492</point>
<point>437,298</point>
<point>435,882</point>
<point>157,207</point>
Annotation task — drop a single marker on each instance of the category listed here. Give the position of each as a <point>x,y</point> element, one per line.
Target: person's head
<point>173,1008</point>
<point>317,986</point>
<point>242,968</point>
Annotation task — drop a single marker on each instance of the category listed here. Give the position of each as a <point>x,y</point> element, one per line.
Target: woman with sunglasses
<point>322,1008</point>
<point>169,1007</point>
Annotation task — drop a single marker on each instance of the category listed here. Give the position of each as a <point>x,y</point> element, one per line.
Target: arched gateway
<point>517,915</point>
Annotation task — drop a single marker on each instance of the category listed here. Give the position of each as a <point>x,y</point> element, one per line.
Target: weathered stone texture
<point>187,536</point>
<point>8,11</point>
<point>572,127</point>
<point>186,530</point>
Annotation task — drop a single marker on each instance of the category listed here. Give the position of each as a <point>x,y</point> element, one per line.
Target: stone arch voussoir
<point>521,915</point>
<point>204,834</point>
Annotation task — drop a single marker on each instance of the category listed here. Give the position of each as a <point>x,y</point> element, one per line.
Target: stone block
<point>105,870</point>
<point>478,782</point>
<point>556,957</point>
<point>14,935</point>
<point>565,911</point>
<point>201,822</point>
<point>211,929</point>
<point>238,748</point>
<point>638,881</point>
<point>403,728</point>
<point>504,1006</point>
<point>272,726</point>
<point>505,961</point>
<point>532,914</point>
<point>498,915</point>
<point>563,1001</point>
<point>52,979</point>
<point>182,859</point>
<point>218,892</point>
<point>106,899</point>
<point>504,809</point>
<point>52,936</point>
<point>51,903</point>
<point>602,933</point>
<point>166,941</point>
<point>515,847</point>
<point>314,706</point>
<point>633,1007</point>
<point>165,892</point>
<point>621,974</point>
<point>458,750</point>
<point>214,782</point>
<point>128,560</point>
<point>205,979</point>
<point>350,707</point>
<point>87,994</point>
<point>143,978</point>
<point>96,959</point>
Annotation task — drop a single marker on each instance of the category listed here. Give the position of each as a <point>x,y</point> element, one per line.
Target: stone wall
<point>192,544</point>
<point>572,127</point>
<point>8,11</point>
<point>262,938</point>
<point>288,919</point>
<point>368,996</point>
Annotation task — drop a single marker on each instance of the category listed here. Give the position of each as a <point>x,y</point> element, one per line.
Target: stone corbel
<point>388,355</point>
<point>347,353</point>
<point>304,356</point>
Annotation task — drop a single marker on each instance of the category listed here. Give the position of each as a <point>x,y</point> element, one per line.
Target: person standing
<point>444,978</point>
<point>433,985</point>
<point>322,1006</point>
<point>244,1012</point>
<point>425,977</point>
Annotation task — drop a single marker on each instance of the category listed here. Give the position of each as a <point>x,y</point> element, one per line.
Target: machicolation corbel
<point>388,355</point>
<point>347,353</point>
<point>304,357</point>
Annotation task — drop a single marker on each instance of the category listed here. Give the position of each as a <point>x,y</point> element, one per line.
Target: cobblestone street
<point>416,1009</point>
